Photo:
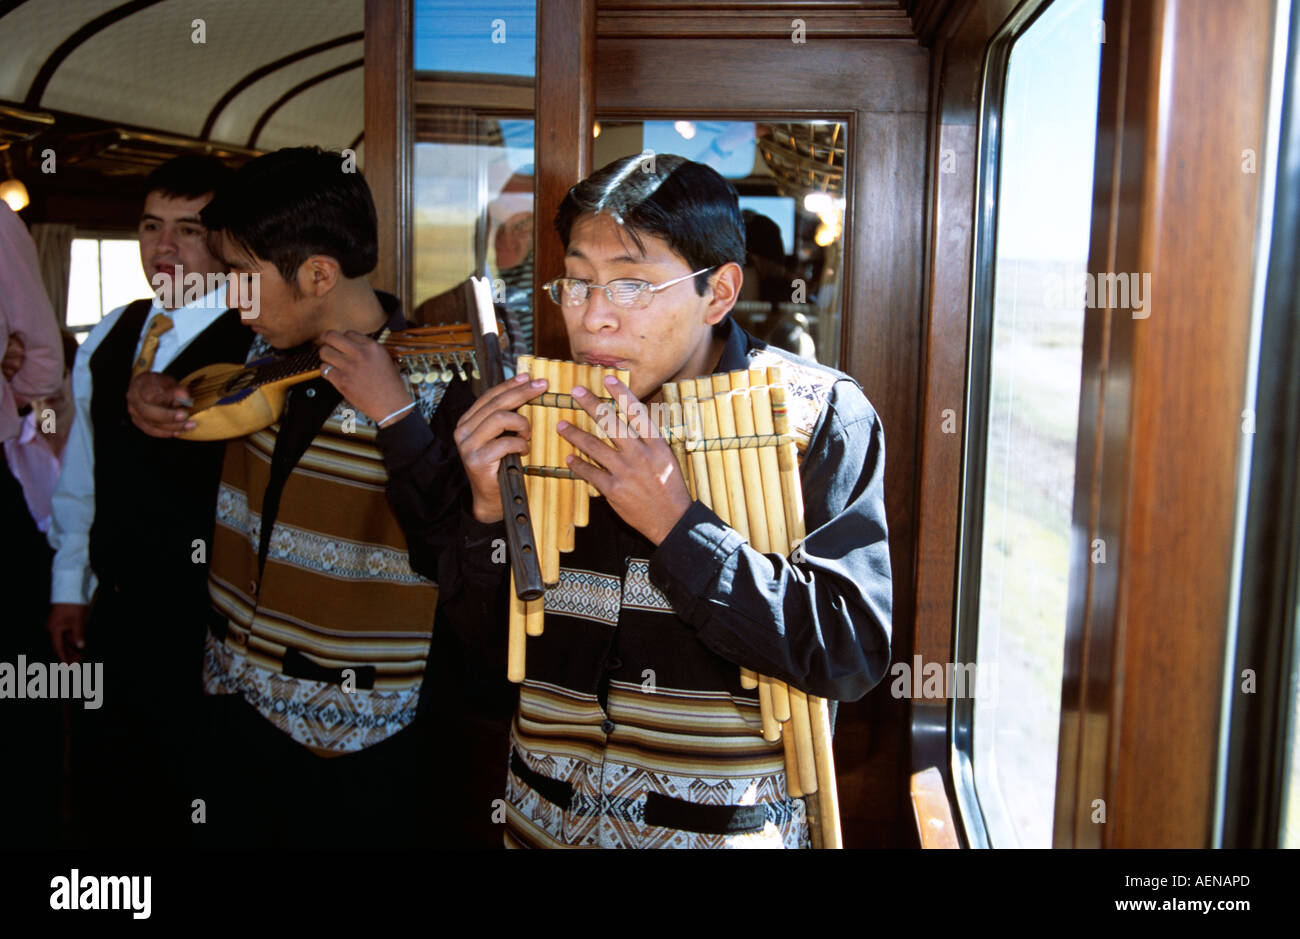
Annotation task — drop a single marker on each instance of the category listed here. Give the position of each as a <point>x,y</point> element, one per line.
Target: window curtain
<point>54,252</point>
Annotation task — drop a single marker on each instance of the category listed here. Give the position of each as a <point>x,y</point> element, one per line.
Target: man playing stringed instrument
<point>633,727</point>
<point>327,533</point>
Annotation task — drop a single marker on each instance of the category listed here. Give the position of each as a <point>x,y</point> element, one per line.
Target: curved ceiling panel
<point>147,70</point>
<point>31,32</point>
<point>237,118</point>
<point>329,114</point>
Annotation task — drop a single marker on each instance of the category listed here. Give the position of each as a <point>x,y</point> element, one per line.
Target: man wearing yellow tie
<point>132,518</point>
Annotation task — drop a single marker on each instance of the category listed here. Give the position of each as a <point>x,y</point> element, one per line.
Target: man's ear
<point>318,274</point>
<point>725,291</point>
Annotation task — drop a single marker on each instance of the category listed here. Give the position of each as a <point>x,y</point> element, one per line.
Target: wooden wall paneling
<point>880,89</point>
<point>390,140</point>
<point>565,112</point>
<point>950,198</point>
<point>1103,394</point>
<point>1168,389</point>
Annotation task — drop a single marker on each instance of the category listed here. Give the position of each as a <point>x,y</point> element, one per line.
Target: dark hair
<point>288,205</point>
<point>188,177</point>
<point>687,204</point>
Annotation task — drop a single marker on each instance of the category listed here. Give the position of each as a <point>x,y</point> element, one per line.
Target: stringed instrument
<point>235,400</point>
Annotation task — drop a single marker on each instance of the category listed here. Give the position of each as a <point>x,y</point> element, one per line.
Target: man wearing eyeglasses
<point>633,729</point>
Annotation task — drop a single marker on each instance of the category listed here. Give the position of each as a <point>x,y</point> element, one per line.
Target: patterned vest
<point>329,640</point>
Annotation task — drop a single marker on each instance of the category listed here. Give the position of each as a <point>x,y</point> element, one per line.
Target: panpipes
<point>730,433</point>
<point>557,501</point>
<point>731,437</point>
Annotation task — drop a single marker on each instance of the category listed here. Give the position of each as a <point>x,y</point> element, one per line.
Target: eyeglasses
<point>626,293</point>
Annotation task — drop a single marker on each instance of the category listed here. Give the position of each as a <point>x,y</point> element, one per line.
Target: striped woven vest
<point>330,642</point>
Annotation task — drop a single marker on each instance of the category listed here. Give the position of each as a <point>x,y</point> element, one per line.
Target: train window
<point>472,190</point>
<point>1026,372</point>
<point>105,273</point>
<point>790,177</point>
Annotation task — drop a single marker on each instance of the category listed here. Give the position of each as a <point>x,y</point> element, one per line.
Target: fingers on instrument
<point>730,436</point>
<point>558,501</point>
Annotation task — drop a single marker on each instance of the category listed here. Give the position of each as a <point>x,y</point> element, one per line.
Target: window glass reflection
<point>473,161</point>
<point>1044,210</point>
<point>790,178</point>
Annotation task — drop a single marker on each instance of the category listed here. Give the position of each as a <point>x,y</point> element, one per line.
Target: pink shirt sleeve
<point>25,309</point>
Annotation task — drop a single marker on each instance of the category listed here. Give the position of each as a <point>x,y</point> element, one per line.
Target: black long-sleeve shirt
<point>649,639</point>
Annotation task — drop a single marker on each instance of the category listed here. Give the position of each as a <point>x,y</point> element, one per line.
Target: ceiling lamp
<point>12,190</point>
<point>14,193</point>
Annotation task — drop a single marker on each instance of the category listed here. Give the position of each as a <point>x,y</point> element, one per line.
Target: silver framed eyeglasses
<point>625,293</point>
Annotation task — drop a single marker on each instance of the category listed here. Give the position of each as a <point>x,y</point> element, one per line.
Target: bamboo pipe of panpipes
<point>735,480</point>
<point>792,786</point>
<point>565,503</point>
<point>801,725</point>
<point>534,610</point>
<point>733,488</point>
<point>676,425</point>
<point>717,477</point>
<point>772,502</point>
<point>829,802</point>
<point>550,547</point>
<point>517,636</point>
<point>581,495</point>
<point>743,407</point>
<point>699,466</point>
<point>819,713</point>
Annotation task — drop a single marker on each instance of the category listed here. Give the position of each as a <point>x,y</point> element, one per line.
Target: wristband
<point>398,413</point>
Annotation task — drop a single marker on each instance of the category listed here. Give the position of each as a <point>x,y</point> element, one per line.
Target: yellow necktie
<point>160,323</point>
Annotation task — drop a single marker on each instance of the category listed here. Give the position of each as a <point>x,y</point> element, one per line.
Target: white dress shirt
<point>73,503</point>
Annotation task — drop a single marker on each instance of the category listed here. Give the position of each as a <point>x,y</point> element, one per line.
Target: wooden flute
<point>525,571</point>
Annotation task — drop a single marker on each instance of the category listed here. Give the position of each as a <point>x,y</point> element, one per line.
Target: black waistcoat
<point>154,497</point>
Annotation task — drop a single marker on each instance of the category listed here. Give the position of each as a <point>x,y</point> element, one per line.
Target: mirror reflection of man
<point>133,515</point>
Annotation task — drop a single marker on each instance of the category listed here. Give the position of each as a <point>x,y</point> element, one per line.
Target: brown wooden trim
<point>261,72</point>
<point>717,23</point>
<point>485,94</point>
<point>565,111</point>
<point>952,164</point>
<point>930,18</point>
<point>931,810</point>
<point>762,76</point>
<point>389,138</point>
<point>73,42</point>
<point>8,6</point>
<point>1160,421</point>
<point>297,90</point>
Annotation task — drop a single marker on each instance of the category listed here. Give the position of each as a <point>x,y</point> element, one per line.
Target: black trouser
<point>261,788</point>
<point>30,730</point>
<point>133,752</point>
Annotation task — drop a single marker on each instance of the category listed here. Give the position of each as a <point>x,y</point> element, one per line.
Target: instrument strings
<point>434,365</point>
